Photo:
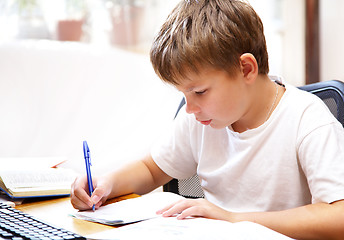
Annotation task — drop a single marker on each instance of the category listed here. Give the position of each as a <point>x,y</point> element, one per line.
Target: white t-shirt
<point>295,158</point>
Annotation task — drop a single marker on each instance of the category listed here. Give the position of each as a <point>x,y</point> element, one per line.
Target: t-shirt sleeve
<point>321,157</point>
<point>173,152</point>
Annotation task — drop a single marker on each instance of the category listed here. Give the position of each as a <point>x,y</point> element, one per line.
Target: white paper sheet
<point>193,228</point>
<point>131,210</point>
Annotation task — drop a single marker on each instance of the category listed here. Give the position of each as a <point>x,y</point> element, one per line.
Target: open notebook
<point>36,183</point>
<point>35,177</point>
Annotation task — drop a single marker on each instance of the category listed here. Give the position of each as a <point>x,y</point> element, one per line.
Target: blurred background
<point>74,70</point>
<point>125,23</point>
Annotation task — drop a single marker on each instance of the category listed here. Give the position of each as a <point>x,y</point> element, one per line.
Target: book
<point>36,180</point>
<point>25,163</point>
<point>36,183</point>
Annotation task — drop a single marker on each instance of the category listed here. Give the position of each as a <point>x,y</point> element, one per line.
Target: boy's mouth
<point>205,122</point>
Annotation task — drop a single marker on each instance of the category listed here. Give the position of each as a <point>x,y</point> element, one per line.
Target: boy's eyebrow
<point>195,88</point>
<point>190,89</point>
<point>187,89</point>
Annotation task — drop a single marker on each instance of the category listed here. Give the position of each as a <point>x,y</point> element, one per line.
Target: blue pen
<point>88,169</point>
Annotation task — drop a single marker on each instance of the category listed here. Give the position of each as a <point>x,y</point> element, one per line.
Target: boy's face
<point>215,98</point>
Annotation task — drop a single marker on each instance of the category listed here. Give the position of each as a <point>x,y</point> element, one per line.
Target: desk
<point>56,212</point>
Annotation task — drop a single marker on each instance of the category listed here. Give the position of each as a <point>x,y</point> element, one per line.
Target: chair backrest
<point>331,92</point>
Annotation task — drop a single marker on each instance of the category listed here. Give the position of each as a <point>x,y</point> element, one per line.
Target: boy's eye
<point>200,92</point>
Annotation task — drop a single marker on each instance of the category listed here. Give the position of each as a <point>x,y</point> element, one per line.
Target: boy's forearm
<point>138,177</point>
<point>314,221</point>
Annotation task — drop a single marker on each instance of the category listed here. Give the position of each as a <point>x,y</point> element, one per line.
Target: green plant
<point>26,6</point>
<point>76,8</point>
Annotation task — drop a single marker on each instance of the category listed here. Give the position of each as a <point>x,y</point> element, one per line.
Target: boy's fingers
<point>99,195</point>
<point>81,202</point>
<point>160,211</point>
<point>168,207</point>
<point>80,198</point>
<point>95,198</point>
<point>190,212</point>
<point>175,208</point>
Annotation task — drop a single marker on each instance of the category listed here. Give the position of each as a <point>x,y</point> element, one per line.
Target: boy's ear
<point>249,66</point>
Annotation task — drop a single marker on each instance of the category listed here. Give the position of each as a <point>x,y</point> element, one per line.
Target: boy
<point>265,152</point>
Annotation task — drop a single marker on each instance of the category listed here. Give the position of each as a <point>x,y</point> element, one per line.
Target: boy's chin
<point>217,125</point>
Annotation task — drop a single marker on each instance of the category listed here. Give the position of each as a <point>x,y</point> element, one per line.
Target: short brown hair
<point>208,33</point>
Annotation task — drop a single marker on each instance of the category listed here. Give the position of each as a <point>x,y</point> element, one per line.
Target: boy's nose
<point>191,108</point>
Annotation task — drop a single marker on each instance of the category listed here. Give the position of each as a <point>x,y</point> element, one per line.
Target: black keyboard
<point>17,225</point>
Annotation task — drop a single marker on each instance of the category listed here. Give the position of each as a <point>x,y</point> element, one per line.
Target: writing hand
<point>80,198</point>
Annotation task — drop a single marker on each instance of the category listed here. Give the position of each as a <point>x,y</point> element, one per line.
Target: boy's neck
<point>265,96</point>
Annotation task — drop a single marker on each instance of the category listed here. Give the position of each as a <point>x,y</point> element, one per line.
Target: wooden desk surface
<point>56,212</point>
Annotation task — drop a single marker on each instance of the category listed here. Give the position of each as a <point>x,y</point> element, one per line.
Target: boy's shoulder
<point>301,96</point>
<point>307,106</point>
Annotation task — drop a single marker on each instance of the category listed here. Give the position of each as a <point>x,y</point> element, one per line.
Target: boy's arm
<point>313,221</point>
<point>138,177</point>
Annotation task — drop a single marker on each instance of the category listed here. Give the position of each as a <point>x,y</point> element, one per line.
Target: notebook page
<point>130,210</point>
<point>37,178</point>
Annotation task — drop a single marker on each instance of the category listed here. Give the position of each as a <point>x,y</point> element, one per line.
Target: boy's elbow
<point>336,228</point>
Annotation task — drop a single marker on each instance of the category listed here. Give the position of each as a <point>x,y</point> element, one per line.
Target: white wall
<point>54,95</point>
<point>293,44</point>
<point>286,40</point>
<point>332,39</point>
<point>284,31</point>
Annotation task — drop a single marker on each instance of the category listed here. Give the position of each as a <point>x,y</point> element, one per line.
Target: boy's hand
<point>80,198</point>
<point>195,208</point>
